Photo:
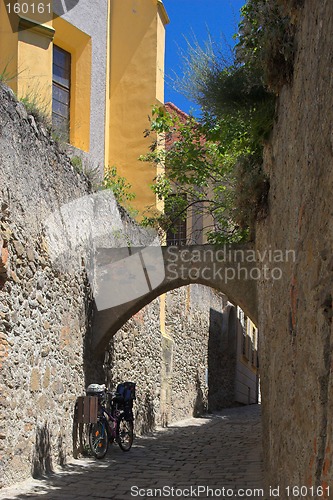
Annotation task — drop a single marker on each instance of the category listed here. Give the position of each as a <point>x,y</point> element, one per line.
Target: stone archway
<point>180,355</point>
<point>223,268</point>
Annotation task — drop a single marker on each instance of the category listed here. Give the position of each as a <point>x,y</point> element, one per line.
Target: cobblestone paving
<point>216,452</point>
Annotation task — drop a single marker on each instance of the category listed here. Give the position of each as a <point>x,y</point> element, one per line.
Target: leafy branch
<point>215,165</point>
<point>120,188</point>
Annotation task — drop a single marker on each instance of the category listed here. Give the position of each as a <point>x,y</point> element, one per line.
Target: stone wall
<point>296,313</point>
<point>43,313</point>
<point>198,364</point>
<point>171,349</point>
<point>135,354</point>
<point>222,360</point>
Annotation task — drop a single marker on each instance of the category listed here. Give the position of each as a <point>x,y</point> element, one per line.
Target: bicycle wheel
<point>124,433</point>
<point>98,439</point>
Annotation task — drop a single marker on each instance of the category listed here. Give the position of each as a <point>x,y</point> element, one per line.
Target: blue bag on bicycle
<point>127,391</point>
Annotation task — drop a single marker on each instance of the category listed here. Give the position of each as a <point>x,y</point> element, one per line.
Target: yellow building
<point>96,69</point>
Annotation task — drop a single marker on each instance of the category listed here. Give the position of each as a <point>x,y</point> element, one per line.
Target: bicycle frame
<point>108,418</point>
<point>114,423</point>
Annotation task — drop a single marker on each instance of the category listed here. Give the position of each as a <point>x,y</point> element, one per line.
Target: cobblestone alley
<point>220,452</point>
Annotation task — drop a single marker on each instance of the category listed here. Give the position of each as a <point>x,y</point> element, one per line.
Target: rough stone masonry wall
<point>45,360</point>
<point>43,314</point>
<point>135,355</point>
<point>296,312</point>
<point>170,365</point>
<point>197,337</point>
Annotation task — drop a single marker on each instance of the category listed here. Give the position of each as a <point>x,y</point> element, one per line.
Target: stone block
<point>21,111</point>
<point>35,380</point>
<point>19,248</point>
<point>30,254</point>
<point>4,256</point>
<point>15,277</point>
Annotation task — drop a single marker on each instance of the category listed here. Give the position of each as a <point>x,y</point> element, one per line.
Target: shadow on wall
<point>4,213</point>
<point>93,367</point>
<point>61,451</point>
<point>80,439</point>
<point>42,461</point>
<point>108,364</point>
<point>200,406</point>
<point>221,359</point>
<point>146,418</point>
<point>214,359</point>
<point>93,364</point>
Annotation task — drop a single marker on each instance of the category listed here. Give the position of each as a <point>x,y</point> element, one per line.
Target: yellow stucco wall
<point>35,69</point>
<point>9,50</point>
<point>26,58</point>
<point>162,19</point>
<point>26,55</point>
<point>136,83</point>
<point>107,90</point>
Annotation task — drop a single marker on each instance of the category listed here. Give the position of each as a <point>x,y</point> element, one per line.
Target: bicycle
<point>114,424</point>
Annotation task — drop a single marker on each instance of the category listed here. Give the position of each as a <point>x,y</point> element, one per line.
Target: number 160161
<point>308,491</point>
<point>29,8</point>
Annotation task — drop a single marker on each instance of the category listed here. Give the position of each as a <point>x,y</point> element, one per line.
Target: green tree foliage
<point>266,42</point>
<point>200,173</point>
<point>215,164</point>
<point>120,188</point>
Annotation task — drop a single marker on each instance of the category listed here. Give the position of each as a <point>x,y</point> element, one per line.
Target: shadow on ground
<point>216,450</point>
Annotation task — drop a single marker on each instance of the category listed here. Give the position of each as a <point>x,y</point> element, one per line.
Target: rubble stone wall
<point>43,313</point>
<point>173,355</point>
<point>45,317</point>
<point>296,332</point>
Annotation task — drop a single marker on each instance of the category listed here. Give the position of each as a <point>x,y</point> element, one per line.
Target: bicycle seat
<point>95,389</point>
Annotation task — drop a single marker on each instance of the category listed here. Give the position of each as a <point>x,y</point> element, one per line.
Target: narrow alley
<point>217,456</point>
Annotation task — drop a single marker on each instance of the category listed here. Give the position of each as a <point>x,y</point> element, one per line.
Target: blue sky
<point>195,17</point>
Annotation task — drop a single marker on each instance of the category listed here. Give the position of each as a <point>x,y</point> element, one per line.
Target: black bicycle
<point>114,418</point>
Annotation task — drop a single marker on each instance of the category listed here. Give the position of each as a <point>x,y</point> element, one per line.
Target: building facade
<point>96,70</point>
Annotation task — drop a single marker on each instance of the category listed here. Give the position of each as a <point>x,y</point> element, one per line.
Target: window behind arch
<point>177,234</point>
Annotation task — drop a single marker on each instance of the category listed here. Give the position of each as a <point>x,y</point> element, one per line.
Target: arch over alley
<point>231,269</point>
